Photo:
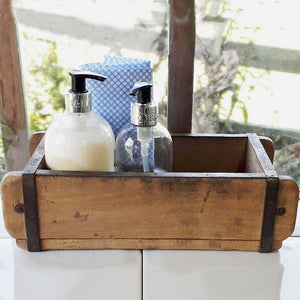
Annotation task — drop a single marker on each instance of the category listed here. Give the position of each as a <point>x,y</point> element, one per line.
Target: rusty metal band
<point>267,232</point>
<point>30,199</point>
<point>271,195</point>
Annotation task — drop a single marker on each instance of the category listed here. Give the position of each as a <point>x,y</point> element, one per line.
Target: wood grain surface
<point>158,209</point>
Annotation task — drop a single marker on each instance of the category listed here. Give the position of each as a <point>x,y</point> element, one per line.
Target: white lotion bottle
<point>80,140</point>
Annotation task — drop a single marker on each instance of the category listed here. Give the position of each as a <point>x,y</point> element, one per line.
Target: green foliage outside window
<point>46,96</point>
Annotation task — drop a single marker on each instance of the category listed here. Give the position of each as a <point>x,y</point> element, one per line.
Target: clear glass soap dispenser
<point>80,140</point>
<point>143,145</point>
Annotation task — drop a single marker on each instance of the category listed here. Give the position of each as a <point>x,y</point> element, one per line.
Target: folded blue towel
<point>111,98</point>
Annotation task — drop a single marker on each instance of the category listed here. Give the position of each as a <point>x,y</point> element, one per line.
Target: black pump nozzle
<point>78,80</point>
<point>143,92</point>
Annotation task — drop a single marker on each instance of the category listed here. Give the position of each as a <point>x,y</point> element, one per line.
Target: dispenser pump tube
<point>144,116</point>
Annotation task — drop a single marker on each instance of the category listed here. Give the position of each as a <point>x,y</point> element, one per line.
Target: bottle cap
<point>143,111</point>
<point>78,98</point>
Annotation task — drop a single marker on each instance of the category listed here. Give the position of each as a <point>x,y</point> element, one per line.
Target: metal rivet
<point>19,208</point>
<point>280,211</point>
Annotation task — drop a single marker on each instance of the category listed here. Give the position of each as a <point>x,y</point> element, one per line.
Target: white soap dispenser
<point>80,140</point>
<point>143,145</point>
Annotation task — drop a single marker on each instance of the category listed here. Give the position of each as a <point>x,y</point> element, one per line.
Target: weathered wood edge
<point>42,172</point>
<point>147,244</point>
<point>34,141</point>
<point>288,192</point>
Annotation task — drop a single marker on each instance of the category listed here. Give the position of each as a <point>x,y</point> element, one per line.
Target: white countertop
<point>120,274</point>
<point>148,275</point>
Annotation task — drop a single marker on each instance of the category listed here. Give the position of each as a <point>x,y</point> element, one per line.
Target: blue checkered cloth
<point>111,98</point>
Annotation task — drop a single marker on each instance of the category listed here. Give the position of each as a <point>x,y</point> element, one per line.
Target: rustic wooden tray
<point>223,194</point>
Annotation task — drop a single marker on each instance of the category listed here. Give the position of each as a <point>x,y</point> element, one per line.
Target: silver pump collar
<point>78,102</point>
<point>143,115</point>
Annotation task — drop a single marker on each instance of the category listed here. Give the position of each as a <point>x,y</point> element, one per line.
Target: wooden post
<point>12,108</point>
<point>181,65</point>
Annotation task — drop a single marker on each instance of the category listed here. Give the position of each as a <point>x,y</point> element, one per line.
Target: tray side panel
<point>34,141</point>
<point>268,146</point>
<point>209,153</point>
<point>12,197</point>
<point>190,149</point>
<point>98,223</point>
<point>253,165</point>
<point>287,204</point>
<point>193,208</point>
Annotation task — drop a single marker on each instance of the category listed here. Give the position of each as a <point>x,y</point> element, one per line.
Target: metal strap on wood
<point>272,184</point>
<point>30,200</point>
